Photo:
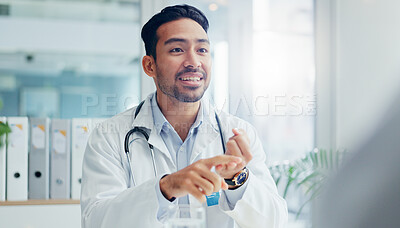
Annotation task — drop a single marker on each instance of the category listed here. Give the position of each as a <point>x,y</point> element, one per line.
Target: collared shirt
<point>181,151</point>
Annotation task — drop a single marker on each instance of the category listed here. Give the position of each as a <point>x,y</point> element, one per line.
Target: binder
<point>39,156</point>
<point>80,134</point>
<point>60,159</point>
<point>17,159</point>
<point>3,164</point>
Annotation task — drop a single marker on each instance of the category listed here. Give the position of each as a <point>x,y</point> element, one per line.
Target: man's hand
<point>239,146</point>
<point>197,179</point>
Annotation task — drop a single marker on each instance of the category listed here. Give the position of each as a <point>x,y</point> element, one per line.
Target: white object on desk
<point>80,133</point>
<point>17,159</point>
<point>39,159</point>
<point>60,165</point>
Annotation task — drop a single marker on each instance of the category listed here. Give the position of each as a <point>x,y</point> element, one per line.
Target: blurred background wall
<point>358,70</point>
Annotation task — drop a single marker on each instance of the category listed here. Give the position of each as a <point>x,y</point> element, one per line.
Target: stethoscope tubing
<point>146,136</point>
<point>128,153</point>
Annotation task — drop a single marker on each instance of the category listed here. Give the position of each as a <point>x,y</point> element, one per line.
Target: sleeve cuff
<point>163,203</point>
<point>233,196</point>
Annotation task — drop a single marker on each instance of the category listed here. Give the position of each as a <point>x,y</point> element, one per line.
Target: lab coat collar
<point>144,119</point>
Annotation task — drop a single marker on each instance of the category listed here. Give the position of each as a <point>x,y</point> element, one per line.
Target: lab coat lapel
<point>207,134</point>
<point>144,119</point>
<point>205,138</point>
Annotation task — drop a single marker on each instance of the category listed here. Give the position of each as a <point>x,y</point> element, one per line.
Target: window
<point>284,76</point>
<point>64,59</point>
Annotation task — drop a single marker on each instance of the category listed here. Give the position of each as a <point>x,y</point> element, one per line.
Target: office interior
<point>315,77</point>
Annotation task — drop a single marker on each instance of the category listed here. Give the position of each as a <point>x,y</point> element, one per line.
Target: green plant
<point>4,128</point>
<point>308,173</point>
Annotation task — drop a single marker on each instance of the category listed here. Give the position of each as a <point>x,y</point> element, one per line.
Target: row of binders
<point>43,158</point>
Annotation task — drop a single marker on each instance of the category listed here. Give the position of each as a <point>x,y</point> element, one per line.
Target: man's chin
<point>188,98</point>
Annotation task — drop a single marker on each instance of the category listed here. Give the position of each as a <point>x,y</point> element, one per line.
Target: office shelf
<point>38,202</point>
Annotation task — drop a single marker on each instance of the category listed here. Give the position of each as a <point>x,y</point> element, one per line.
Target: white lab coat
<point>108,198</point>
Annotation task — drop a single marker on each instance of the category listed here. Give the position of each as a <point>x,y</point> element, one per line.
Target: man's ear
<point>149,65</point>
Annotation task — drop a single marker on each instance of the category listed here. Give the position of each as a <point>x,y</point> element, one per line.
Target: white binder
<point>17,159</point>
<point>39,156</point>
<point>60,160</point>
<point>80,134</point>
<point>3,164</point>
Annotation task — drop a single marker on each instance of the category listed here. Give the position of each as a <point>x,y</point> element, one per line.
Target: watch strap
<point>230,181</point>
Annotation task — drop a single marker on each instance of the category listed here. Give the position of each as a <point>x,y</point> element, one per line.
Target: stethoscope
<point>146,136</point>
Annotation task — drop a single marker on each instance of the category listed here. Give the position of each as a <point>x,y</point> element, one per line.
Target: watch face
<point>241,178</point>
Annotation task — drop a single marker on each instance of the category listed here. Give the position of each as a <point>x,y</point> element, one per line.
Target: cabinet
<point>40,214</point>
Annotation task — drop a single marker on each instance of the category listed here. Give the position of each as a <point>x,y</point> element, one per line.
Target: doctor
<point>186,139</point>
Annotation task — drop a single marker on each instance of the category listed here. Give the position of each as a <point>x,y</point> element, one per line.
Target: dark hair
<point>170,13</point>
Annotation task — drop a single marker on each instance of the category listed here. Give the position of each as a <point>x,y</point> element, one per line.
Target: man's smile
<point>193,78</point>
<point>192,81</point>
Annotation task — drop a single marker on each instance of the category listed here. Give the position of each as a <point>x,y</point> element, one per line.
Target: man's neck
<point>181,115</point>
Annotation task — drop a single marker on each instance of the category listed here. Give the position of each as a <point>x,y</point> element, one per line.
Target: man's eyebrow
<point>173,40</point>
<point>203,41</point>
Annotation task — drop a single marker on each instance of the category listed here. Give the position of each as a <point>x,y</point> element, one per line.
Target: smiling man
<point>180,149</point>
<point>183,49</point>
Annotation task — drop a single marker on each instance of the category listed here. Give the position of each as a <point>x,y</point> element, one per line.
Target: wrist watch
<point>239,179</point>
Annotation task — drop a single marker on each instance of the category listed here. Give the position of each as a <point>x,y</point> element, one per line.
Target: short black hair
<point>170,13</point>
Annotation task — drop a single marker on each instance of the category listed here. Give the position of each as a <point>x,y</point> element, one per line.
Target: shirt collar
<point>161,123</point>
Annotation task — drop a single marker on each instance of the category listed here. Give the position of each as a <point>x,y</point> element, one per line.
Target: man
<point>185,144</point>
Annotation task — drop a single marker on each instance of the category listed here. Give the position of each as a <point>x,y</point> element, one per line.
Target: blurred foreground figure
<point>366,192</point>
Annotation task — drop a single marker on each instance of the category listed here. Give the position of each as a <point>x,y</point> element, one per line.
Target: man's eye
<point>203,50</point>
<point>176,50</point>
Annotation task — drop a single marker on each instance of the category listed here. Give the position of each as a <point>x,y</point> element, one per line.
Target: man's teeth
<point>190,79</point>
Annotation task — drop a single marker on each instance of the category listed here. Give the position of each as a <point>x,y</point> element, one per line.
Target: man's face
<point>183,63</point>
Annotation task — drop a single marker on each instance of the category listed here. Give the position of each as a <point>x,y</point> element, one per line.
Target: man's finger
<point>204,184</point>
<point>232,165</point>
<point>244,147</point>
<point>221,160</point>
<point>243,142</point>
<point>240,132</point>
<point>213,179</point>
<point>232,148</point>
<point>195,191</point>
<point>236,131</point>
<point>224,185</point>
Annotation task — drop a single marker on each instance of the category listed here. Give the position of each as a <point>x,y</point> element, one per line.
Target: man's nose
<point>192,60</point>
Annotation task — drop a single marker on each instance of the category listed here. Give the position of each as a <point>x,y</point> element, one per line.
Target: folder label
<point>60,141</point>
<point>38,136</point>
<point>17,134</point>
<point>81,137</point>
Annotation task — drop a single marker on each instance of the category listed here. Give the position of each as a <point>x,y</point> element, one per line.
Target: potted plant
<point>307,174</point>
